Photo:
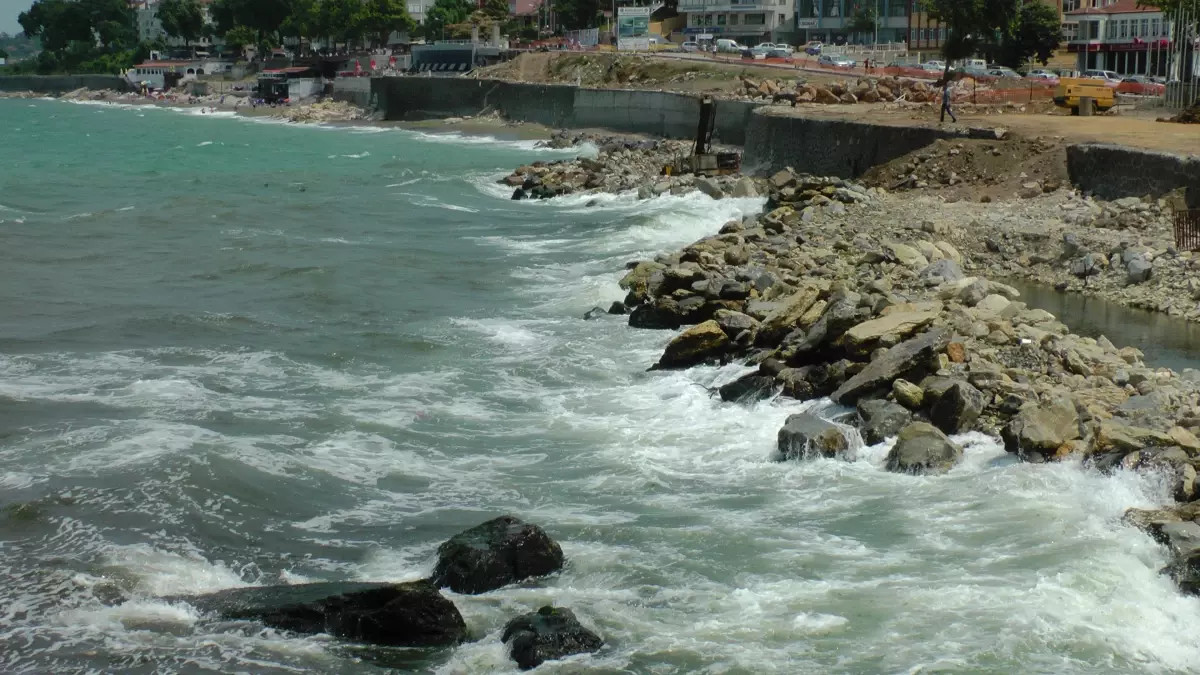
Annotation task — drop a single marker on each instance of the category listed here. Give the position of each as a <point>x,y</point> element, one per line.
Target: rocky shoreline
<point>314,112</point>
<point>841,291</point>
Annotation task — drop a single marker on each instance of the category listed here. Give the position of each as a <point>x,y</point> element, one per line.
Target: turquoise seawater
<point>236,352</point>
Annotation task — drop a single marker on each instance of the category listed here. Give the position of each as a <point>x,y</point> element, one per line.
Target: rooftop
<point>1118,7</point>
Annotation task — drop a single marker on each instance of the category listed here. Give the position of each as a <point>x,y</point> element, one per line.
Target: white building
<point>747,21</point>
<point>150,28</point>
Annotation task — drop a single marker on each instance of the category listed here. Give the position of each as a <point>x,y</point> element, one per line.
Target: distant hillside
<point>19,47</point>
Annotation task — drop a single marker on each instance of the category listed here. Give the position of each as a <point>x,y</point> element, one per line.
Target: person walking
<point>946,103</point>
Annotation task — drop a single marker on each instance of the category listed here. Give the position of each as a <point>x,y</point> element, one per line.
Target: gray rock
<point>953,405</point>
<point>593,313</point>
<point>879,419</point>
<point>744,187</point>
<point>617,307</point>
<point>1071,246</point>
<point>922,449</point>
<point>910,359</point>
<point>497,553</point>
<point>908,394</point>
<point>1138,271</point>
<point>412,614</point>
<point>710,187</point>
<point>805,436</point>
<point>1042,429</point>
<point>733,323</point>
<point>945,268</point>
<point>696,345</point>
<point>748,389</point>
<point>548,634</point>
<point>974,293</point>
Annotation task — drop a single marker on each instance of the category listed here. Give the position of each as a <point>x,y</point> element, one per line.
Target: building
<point>748,21</point>
<point>829,21</point>
<point>150,28</point>
<point>1121,36</point>
<point>924,34</point>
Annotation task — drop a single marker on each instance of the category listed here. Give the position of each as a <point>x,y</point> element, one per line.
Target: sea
<point>235,352</point>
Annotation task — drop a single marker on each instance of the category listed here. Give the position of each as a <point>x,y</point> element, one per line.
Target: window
<point>733,19</point>
<point>924,34</point>
<point>1124,31</point>
<point>832,7</point>
<point>1110,30</point>
<point>782,19</point>
<point>808,9</point>
<point>720,19</point>
<point>912,34</point>
<point>755,19</point>
<point>896,8</point>
<point>1145,28</point>
<point>1154,27</point>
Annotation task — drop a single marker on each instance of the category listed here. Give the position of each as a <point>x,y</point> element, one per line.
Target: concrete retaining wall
<point>828,147</point>
<point>1113,172</point>
<point>355,90</point>
<point>561,106</point>
<point>60,84</point>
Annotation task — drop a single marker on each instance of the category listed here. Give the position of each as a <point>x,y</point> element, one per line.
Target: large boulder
<point>749,388</point>
<point>492,555</point>
<point>664,313</point>
<point>953,405</point>
<point>781,321</point>
<point>922,449</point>
<point>734,323</point>
<point>834,321</point>
<point>700,343</point>
<point>411,614</point>
<point>1042,429</point>
<point>636,280</point>
<point>546,635</point>
<point>911,360</point>
<point>945,269</point>
<point>805,436</point>
<point>813,381</point>
<point>860,338</point>
<point>879,420</point>
<point>1116,437</point>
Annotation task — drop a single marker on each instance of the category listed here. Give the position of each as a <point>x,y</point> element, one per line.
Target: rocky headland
<point>892,308</point>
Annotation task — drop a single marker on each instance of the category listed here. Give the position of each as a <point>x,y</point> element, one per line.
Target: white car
<point>690,46</point>
<point>1042,75</point>
<point>835,61</point>
<point>935,67</point>
<point>1110,78</point>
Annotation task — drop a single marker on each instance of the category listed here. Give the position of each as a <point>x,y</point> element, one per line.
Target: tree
<point>181,19</point>
<point>1035,34</point>
<point>496,9</point>
<point>3,54</point>
<point>380,18</point>
<point>445,13</point>
<point>57,22</point>
<point>576,14</point>
<point>341,20</point>
<point>238,37</point>
<point>863,19</point>
<point>969,24</point>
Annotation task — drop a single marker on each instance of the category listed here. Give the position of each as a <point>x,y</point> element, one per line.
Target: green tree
<point>238,37</point>
<point>576,14</point>
<point>445,13</point>
<point>863,19</point>
<point>302,19</point>
<point>496,9</point>
<point>380,18</point>
<point>341,20</point>
<point>3,54</point>
<point>1035,34</point>
<point>57,22</point>
<point>181,19</point>
<point>969,25</point>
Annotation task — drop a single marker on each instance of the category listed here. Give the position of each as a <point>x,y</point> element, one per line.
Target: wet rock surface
<point>411,614</point>
<point>548,634</point>
<point>497,553</point>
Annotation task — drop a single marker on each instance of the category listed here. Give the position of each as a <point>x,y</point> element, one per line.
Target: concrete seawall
<point>828,147</point>
<point>60,84</point>
<point>560,106</point>
<point>1114,171</point>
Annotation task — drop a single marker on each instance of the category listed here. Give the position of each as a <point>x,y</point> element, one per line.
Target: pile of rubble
<point>865,90</point>
<point>620,166</point>
<point>974,162</point>
<point>326,111</point>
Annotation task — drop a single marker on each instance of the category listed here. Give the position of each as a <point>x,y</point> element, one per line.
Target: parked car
<point>933,67</point>
<point>761,49</point>
<point>1042,75</point>
<point>780,53</point>
<point>813,48</point>
<point>1002,71</point>
<point>690,46</point>
<point>729,46</point>
<point>835,61</point>
<point>1110,78</point>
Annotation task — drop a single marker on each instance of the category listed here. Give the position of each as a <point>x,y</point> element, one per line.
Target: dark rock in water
<point>404,615</point>
<point>661,314</point>
<point>617,307</point>
<point>922,449</point>
<point>953,405</point>
<point>748,389</point>
<point>594,313</point>
<point>835,320</point>
<point>501,551</point>
<point>546,635</point>
<point>805,435</point>
<point>519,194</point>
<point>814,381</point>
<point>879,419</point>
<point>909,360</point>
